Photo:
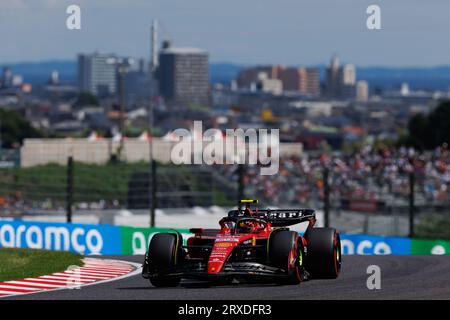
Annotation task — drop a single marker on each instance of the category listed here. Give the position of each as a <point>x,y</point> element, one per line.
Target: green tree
<point>86,99</point>
<point>418,126</point>
<point>428,132</point>
<point>439,125</point>
<point>15,128</point>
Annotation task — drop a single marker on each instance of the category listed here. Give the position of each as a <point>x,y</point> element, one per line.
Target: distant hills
<point>427,78</point>
<point>39,72</point>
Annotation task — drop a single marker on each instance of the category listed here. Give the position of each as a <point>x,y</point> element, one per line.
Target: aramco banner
<point>115,240</point>
<point>82,238</point>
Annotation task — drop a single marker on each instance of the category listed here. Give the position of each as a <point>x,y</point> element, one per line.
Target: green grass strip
<point>17,264</point>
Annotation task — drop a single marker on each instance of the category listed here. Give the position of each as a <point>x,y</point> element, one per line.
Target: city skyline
<point>35,31</point>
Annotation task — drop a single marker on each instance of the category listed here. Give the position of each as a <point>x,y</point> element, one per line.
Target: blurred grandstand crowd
<point>369,175</point>
<point>368,180</point>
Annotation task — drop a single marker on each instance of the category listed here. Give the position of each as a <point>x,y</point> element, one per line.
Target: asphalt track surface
<point>402,277</point>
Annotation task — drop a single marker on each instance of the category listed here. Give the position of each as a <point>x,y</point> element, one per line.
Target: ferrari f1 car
<point>251,244</point>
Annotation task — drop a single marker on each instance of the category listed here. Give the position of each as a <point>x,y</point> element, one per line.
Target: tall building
<point>97,73</point>
<point>332,80</point>
<point>54,78</point>
<point>312,81</point>
<point>347,75</point>
<point>294,79</point>
<point>362,91</point>
<point>183,75</point>
<point>302,80</point>
<point>7,77</point>
<point>17,80</point>
<point>404,89</point>
<point>139,84</point>
<point>154,47</point>
<point>249,76</point>
<point>269,85</point>
<point>347,82</point>
<point>341,80</point>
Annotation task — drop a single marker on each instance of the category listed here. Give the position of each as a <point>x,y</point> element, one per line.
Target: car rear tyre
<point>163,254</point>
<point>286,252</point>
<point>324,256</point>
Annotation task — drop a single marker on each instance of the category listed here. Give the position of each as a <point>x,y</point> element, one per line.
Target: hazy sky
<point>414,32</point>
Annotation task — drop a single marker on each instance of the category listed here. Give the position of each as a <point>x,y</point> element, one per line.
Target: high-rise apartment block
<point>362,91</point>
<point>97,73</point>
<point>269,85</point>
<point>183,75</point>
<point>312,81</point>
<point>332,79</point>
<point>348,75</point>
<point>341,80</point>
<point>303,80</point>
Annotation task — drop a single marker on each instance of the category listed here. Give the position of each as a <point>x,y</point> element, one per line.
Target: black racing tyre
<point>163,253</point>
<point>324,256</point>
<point>286,252</point>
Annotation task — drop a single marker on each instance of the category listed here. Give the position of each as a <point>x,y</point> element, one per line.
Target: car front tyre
<point>286,252</point>
<point>324,255</point>
<point>163,253</point>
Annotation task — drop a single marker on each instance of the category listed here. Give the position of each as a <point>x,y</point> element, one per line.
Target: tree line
<point>14,128</point>
<point>427,132</point>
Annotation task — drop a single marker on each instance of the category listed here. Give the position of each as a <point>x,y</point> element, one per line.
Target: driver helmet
<point>246,226</point>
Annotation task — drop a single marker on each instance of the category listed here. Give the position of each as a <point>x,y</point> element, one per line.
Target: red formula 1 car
<point>251,244</point>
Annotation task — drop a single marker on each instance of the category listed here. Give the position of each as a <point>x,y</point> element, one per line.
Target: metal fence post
<point>153,193</point>
<point>69,189</point>
<point>326,197</point>
<point>412,181</point>
<point>241,190</point>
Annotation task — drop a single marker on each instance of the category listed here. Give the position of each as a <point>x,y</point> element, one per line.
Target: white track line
<point>92,273</point>
<point>34,284</point>
<point>64,279</point>
<point>7,286</point>
<point>51,281</point>
<point>78,276</point>
<point>87,268</point>
<point>107,267</point>
<point>9,293</point>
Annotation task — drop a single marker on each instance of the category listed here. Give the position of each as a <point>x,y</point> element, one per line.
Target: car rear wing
<point>279,217</point>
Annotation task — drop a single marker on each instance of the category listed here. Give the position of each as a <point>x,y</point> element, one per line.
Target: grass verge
<point>17,264</point>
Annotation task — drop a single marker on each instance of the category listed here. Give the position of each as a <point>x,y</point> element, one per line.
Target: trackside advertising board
<point>82,238</point>
<point>115,240</point>
<point>430,247</point>
<point>365,244</point>
<point>137,240</point>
